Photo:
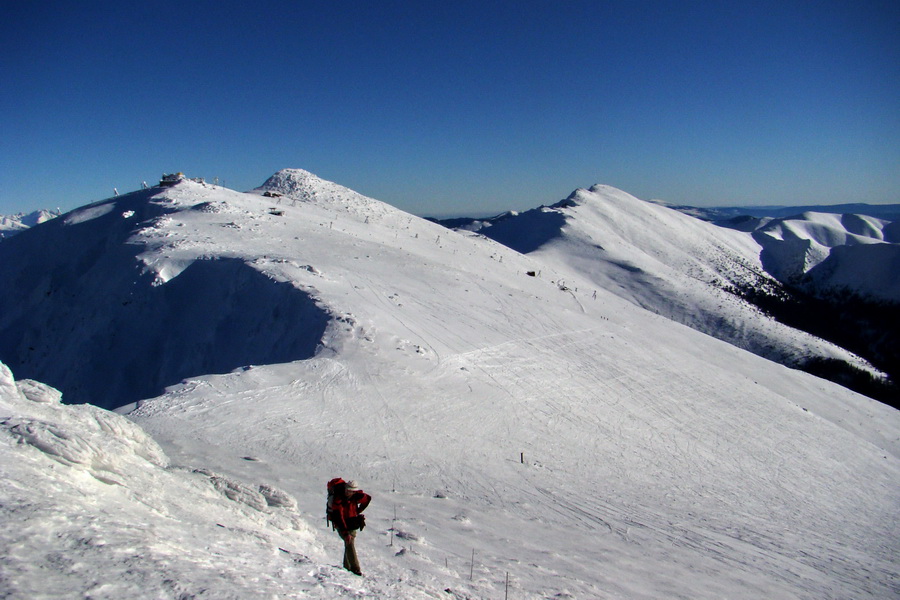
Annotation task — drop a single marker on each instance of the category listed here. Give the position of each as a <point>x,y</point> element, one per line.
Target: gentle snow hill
<point>667,262</point>
<point>582,445</point>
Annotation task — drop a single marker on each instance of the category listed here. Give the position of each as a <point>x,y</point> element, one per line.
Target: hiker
<point>346,502</point>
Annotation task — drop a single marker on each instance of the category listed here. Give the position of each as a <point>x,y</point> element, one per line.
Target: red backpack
<point>340,511</point>
<point>331,515</point>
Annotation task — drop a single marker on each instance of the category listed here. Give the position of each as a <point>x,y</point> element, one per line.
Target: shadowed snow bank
<point>215,316</point>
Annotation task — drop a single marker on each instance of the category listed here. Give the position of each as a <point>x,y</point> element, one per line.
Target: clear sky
<point>458,107</point>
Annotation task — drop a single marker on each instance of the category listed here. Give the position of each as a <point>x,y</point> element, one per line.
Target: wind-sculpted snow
<point>102,443</point>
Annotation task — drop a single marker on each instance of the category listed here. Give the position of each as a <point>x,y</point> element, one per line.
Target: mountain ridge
<point>698,274</point>
<point>660,259</point>
<point>508,415</point>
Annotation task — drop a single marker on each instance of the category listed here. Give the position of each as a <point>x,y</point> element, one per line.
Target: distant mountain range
<point>886,212</point>
<point>13,224</point>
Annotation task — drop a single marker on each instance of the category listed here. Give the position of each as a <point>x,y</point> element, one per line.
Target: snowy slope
<point>583,446</point>
<point>92,509</point>
<point>665,261</point>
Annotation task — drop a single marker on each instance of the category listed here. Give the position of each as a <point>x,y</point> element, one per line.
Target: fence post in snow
<point>393,525</point>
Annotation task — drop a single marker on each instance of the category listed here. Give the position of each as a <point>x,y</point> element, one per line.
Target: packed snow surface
<point>514,421</point>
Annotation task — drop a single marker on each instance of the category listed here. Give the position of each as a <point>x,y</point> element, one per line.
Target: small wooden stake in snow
<point>472,567</point>
<point>522,457</point>
<point>393,525</point>
<point>506,595</point>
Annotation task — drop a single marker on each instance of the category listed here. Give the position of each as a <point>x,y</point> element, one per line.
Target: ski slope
<point>575,443</point>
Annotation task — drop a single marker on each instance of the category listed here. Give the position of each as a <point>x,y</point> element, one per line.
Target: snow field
<point>584,446</point>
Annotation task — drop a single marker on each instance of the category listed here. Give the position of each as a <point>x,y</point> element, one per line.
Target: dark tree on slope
<point>865,327</point>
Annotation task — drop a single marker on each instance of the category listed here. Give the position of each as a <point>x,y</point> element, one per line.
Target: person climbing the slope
<point>346,502</point>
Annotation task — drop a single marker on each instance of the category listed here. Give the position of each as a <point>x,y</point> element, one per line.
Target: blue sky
<point>455,108</point>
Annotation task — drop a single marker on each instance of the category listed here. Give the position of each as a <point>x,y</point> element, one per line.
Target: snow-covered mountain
<point>844,272</point>
<point>660,259</point>
<point>19,222</point>
<point>827,250</point>
<point>885,212</point>
<point>513,418</point>
<point>830,253</point>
